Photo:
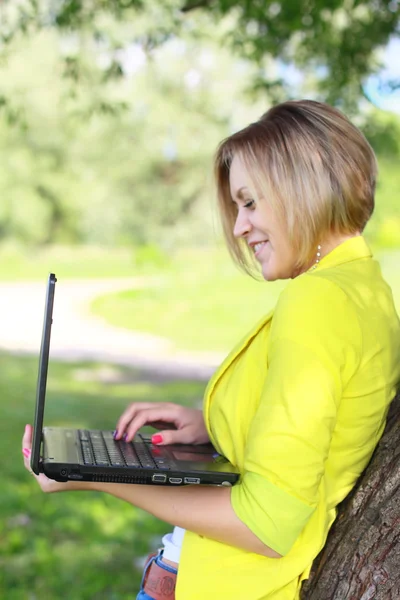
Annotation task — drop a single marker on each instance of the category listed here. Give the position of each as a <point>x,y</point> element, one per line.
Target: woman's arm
<point>205,510</point>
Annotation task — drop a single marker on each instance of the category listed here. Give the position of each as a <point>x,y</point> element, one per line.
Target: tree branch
<point>195,4</point>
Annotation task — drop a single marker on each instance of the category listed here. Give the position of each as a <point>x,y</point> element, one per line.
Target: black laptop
<point>92,455</point>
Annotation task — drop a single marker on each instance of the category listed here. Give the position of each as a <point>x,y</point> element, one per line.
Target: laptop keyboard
<point>99,448</point>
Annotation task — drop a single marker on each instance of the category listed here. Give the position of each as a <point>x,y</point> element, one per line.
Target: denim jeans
<point>142,594</point>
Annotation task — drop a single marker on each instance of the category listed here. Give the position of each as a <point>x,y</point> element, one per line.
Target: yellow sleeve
<point>313,350</point>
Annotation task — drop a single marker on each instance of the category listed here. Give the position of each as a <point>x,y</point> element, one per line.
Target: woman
<point>300,403</point>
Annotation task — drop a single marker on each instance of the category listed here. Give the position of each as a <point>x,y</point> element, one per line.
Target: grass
<point>78,546</point>
<point>203,303</point>
<point>206,303</point>
<point>67,262</point>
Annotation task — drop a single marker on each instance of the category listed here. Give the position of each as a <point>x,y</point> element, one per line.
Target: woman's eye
<point>249,204</point>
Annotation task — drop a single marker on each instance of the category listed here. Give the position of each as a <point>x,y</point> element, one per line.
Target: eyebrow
<point>240,193</point>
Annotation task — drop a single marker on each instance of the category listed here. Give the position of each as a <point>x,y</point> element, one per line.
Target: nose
<point>242,225</point>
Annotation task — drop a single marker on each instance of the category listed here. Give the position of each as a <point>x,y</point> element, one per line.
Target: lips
<point>258,246</point>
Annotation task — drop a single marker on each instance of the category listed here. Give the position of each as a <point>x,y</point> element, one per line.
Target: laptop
<point>91,455</point>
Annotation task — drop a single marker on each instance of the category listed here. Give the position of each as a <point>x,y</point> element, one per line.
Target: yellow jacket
<point>298,407</point>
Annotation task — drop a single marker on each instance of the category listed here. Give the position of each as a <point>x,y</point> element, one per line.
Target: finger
<point>128,415</point>
<point>27,459</point>
<point>136,409</point>
<point>162,425</point>
<point>149,416</point>
<point>169,436</point>
<point>27,438</point>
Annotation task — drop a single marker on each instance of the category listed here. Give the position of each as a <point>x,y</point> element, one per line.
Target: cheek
<point>282,253</point>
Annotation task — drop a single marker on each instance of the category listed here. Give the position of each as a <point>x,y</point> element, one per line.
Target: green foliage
<point>82,546</point>
<point>383,132</point>
<point>335,41</point>
<point>114,177</point>
<point>110,112</point>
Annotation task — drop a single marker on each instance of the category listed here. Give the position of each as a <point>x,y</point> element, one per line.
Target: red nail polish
<point>156,438</point>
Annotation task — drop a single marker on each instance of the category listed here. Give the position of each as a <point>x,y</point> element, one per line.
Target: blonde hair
<point>311,164</point>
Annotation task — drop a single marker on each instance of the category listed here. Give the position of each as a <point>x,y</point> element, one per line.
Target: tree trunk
<point>361,559</point>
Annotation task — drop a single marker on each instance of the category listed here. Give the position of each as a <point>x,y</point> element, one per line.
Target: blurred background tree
<point>110,111</point>
<point>336,41</point>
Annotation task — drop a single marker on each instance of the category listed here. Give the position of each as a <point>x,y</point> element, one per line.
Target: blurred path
<point>78,335</point>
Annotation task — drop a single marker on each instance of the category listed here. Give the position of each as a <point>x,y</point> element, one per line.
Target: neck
<point>328,243</point>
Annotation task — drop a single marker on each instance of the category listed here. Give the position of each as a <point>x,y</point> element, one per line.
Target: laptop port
<point>159,478</point>
<point>176,480</point>
<point>192,480</point>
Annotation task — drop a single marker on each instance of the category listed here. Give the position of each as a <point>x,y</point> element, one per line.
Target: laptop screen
<point>42,374</point>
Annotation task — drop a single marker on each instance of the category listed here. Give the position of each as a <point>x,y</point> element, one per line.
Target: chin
<point>271,274</point>
<point>269,277</point>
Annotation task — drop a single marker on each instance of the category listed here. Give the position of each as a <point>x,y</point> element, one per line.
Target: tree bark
<point>361,559</point>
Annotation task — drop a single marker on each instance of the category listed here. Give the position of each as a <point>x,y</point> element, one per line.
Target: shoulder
<point>312,294</point>
<point>313,308</point>
<point>310,286</point>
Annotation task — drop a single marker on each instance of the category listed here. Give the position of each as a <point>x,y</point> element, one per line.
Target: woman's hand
<point>178,425</point>
<point>47,485</point>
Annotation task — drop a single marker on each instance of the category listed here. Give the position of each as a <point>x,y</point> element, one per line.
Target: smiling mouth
<point>258,247</point>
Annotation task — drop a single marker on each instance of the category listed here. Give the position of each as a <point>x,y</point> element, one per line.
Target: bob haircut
<point>315,169</point>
